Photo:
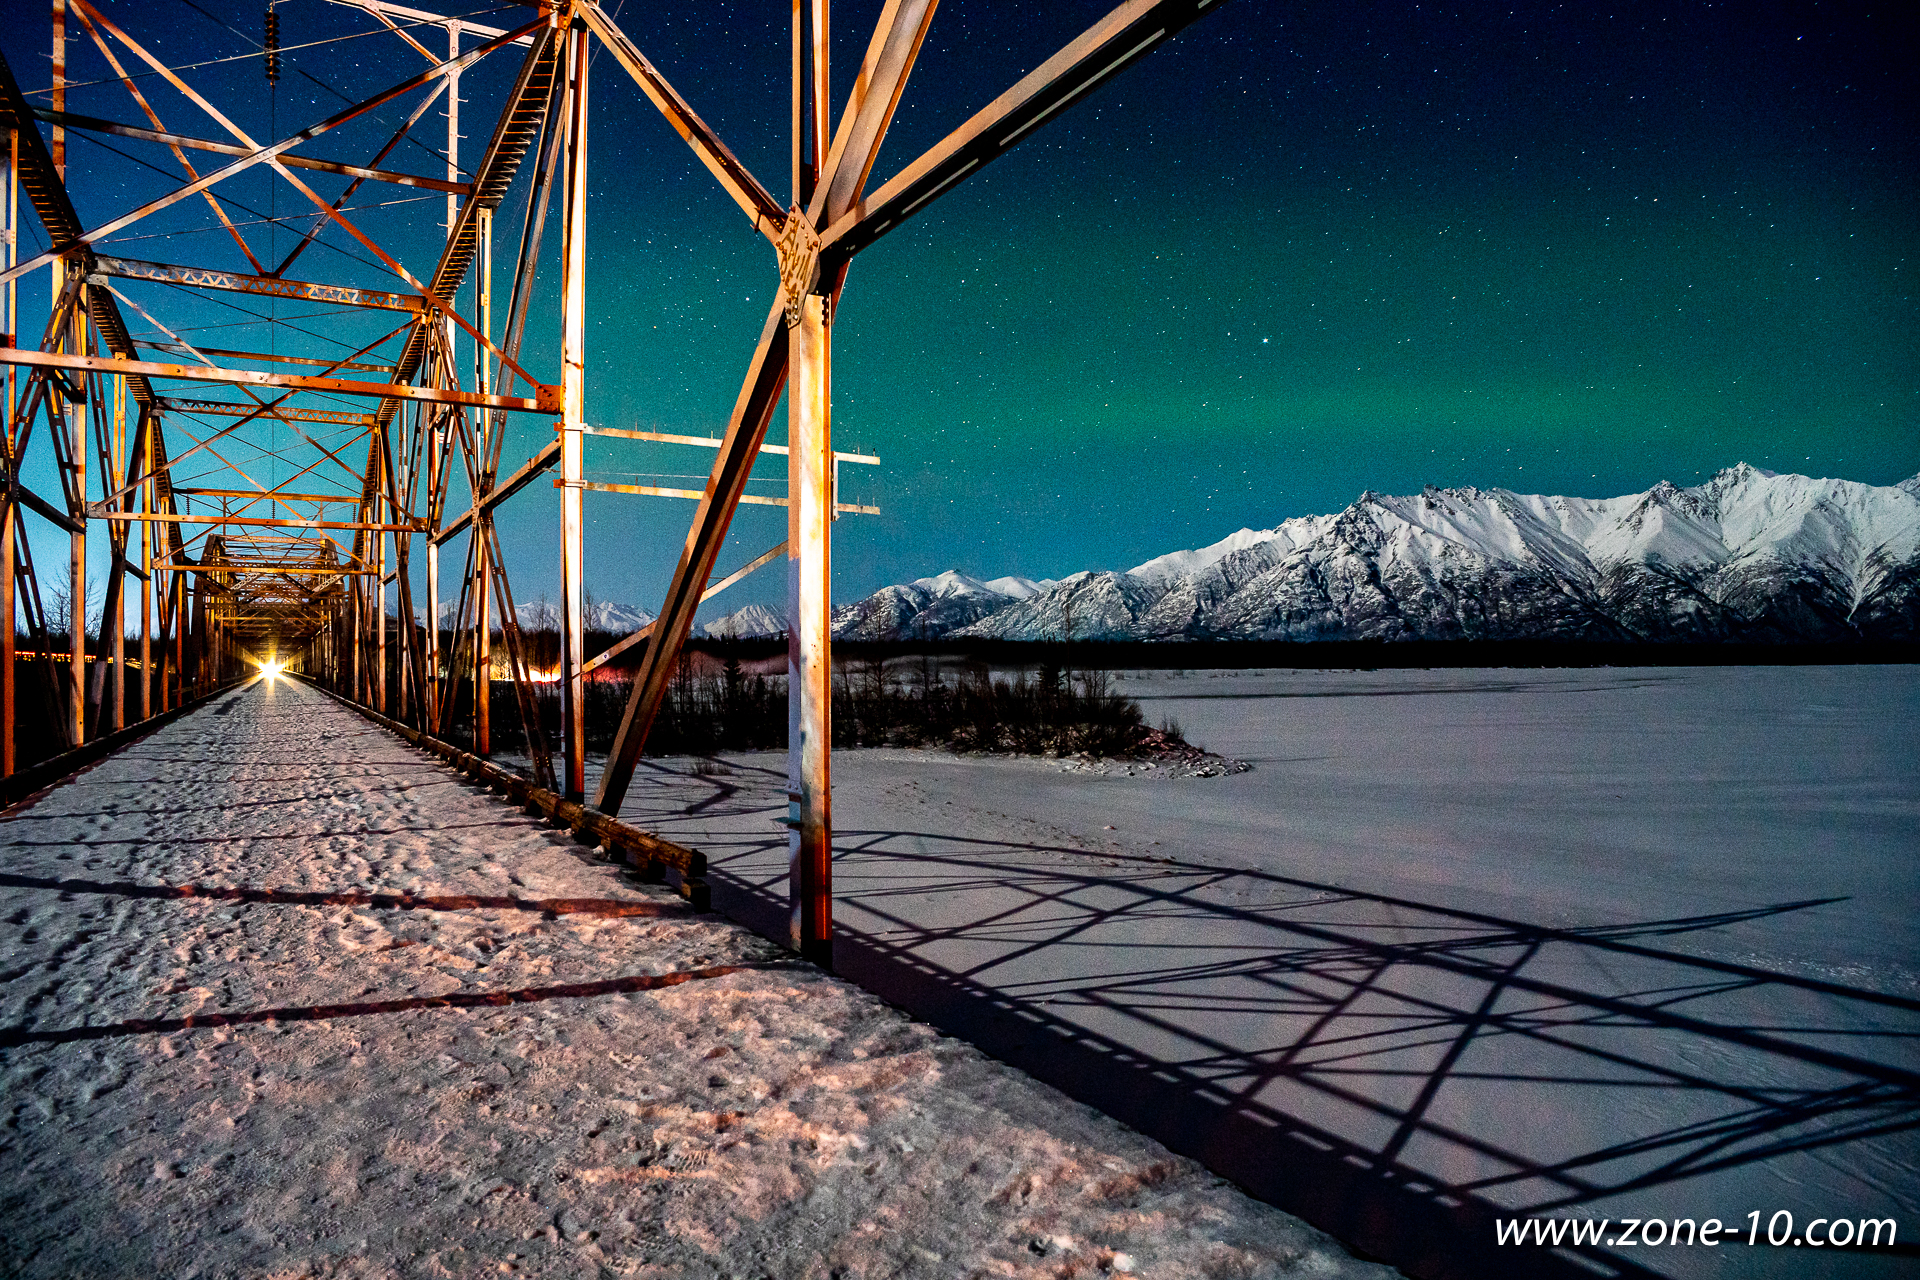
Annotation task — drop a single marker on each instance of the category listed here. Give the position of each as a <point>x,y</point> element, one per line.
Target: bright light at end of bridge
<point>272,669</point>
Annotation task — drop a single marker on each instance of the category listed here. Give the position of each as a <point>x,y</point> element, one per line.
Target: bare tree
<point>59,605</point>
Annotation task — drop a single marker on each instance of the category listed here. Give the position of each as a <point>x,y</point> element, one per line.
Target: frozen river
<point>1622,944</point>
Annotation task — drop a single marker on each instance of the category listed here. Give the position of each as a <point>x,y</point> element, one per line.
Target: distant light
<point>272,669</point>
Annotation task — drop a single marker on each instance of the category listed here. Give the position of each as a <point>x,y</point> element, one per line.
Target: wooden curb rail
<point>652,857</point>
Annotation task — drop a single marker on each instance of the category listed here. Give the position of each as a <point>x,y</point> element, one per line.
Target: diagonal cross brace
<point>1125,35</point>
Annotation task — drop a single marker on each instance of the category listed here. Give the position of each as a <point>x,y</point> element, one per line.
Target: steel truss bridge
<point>330,458</point>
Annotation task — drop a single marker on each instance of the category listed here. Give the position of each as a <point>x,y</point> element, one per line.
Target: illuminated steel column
<point>482,530</point>
<point>116,617</point>
<point>573,654</point>
<point>77,544</point>
<point>6,630</point>
<point>809,644</point>
<point>430,703</point>
<point>10,320</point>
<point>380,616</point>
<point>146,535</point>
<point>353,639</point>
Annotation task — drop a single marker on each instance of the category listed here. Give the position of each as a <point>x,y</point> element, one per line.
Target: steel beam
<point>747,192</point>
<point>633,638</point>
<point>573,368</point>
<point>223,409</point>
<point>1111,45</point>
<point>809,634</point>
<point>548,455</point>
<point>71,121</point>
<point>263,522</point>
<point>546,400</point>
<point>269,286</point>
<point>746,428</point>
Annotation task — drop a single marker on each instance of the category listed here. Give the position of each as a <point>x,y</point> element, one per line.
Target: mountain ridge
<point>1748,555</point>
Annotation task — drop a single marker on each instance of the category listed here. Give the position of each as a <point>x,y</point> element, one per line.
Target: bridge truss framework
<point>298,570</point>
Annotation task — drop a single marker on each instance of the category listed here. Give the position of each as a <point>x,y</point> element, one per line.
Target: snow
<point>745,623</point>
<point>953,583</point>
<point>544,615</point>
<point>231,1046</point>
<point>1616,943</point>
<point>1184,564</point>
<point>1017,587</point>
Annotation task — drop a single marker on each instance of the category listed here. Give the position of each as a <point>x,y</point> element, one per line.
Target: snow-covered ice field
<point>1595,944</point>
<point>282,997</point>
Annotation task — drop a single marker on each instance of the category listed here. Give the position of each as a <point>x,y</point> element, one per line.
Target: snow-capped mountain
<point>601,615</point>
<point>929,607</point>
<point>1749,555</point>
<point>544,615</point>
<point>748,623</point>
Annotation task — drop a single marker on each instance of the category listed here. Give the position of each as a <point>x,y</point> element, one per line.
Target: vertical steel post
<point>822,94</point>
<point>380,619</point>
<point>481,584</point>
<point>453,130</point>
<point>145,532</point>
<point>58,101</point>
<point>179,638</point>
<point>77,543</point>
<point>12,326</point>
<point>573,381</point>
<point>118,674</point>
<point>482,641</point>
<point>431,702</point>
<point>6,630</point>
<point>809,650</point>
<point>353,639</point>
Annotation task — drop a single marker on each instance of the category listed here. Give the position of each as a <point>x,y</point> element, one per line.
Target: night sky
<point>1297,253</point>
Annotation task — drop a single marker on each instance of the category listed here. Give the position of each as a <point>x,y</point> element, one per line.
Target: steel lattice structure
<point>393,451</point>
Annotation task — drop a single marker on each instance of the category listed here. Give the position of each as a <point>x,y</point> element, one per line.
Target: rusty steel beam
<point>261,522</point>
<point>271,286</point>
<point>633,638</point>
<point>809,818</point>
<point>223,409</point>
<point>40,506</point>
<point>182,349</point>
<point>273,495</point>
<point>548,455</point>
<point>711,442</point>
<point>747,192</point>
<point>897,38</point>
<point>381,8</point>
<point>573,367</point>
<point>1123,37</point>
<point>746,499</point>
<point>72,121</point>
<point>547,399</point>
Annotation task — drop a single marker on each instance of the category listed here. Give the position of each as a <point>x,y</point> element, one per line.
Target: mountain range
<point>544,615</point>
<point>1749,556</point>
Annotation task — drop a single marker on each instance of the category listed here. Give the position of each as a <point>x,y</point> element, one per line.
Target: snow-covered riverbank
<point>1608,944</point>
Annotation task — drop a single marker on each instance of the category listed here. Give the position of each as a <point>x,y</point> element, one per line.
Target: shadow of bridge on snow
<point>1396,1073</point>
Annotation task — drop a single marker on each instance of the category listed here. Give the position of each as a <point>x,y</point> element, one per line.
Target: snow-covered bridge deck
<point>281,995</point>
